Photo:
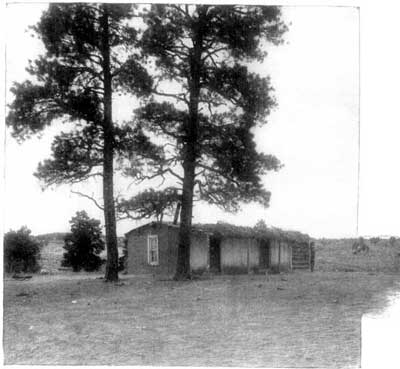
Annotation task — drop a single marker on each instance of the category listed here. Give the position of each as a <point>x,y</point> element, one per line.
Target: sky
<point>313,131</point>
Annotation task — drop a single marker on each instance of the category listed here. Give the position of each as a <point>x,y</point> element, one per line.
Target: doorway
<point>215,254</point>
<point>264,254</point>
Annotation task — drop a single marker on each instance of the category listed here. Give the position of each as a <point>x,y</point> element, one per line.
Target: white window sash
<point>152,249</point>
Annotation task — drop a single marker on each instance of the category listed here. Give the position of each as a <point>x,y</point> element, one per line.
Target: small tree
<point>260,225</point>
<point>84,244</point>
<point>21,251</point>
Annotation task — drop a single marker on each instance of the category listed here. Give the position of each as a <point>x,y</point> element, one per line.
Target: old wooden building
<point>216,248</point>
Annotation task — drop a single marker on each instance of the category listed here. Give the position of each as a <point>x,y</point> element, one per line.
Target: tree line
<point>200,102</point>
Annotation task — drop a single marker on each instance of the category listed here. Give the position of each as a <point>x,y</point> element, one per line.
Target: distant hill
<point>59,236</point>
<point>55,236</point>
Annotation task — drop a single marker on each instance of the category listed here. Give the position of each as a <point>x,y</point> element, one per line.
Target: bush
<point>84,244</point>
<point>374,240</point>
<point>21,252</point>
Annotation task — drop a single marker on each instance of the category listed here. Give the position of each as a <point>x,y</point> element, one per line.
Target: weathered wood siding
<point>285,257</point>
<point>301,255</point>
<point>254,255</point>
<point>239,255</point>
<point>233,255</point>
<point>280,256</point>
<point>274,254</point>
<point>199,249</point>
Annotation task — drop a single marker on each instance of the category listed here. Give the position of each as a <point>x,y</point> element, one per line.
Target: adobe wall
<point>137,261</point>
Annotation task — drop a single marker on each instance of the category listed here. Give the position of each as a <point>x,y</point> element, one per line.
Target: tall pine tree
<point>212,104</point>
<point>90,53</point>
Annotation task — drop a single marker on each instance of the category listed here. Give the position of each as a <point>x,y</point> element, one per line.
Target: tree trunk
<point>108,153</point>
<point>177,212</point>
<point>183,262</point>
<point>189,158</point>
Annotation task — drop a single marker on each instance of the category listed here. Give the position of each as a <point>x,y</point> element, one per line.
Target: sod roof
<point>229,230</point>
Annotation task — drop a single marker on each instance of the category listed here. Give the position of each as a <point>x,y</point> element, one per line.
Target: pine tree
<point>84,244</point>
<point>214,101</point>
<point>90,54</point>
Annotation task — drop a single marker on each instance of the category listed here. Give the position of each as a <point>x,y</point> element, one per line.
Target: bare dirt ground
<point>299,319</point>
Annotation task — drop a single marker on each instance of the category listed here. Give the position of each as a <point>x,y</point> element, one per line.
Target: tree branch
<point>180,96</point>
<point>88,197</point>
<point>209,54</point>
<point>221,173</point>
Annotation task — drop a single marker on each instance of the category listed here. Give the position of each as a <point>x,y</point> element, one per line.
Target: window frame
<point>149,250</point>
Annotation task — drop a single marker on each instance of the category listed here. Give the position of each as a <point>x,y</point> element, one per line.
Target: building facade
<point>216,248</point>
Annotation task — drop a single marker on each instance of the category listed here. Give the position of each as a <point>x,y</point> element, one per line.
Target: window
<point>152,249</point>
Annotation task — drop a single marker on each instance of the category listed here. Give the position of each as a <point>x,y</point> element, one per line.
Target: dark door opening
<point>215,254</point>
<point>264,254</point>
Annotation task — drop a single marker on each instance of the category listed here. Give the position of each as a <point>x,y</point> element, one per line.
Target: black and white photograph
<point>201,184</point>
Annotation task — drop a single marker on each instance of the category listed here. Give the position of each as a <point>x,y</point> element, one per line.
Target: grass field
<point>298,319</point>
<point>336,255</point>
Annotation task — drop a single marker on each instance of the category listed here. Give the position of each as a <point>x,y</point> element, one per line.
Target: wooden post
<point>208,253</point>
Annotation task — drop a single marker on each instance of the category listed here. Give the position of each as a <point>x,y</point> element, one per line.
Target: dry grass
<point>295,320</point>
<point>336,255</point>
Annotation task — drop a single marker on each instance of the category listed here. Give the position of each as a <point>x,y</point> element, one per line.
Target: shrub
<point>21,252</point>
<point>374,240</point>
<point>84,244</point>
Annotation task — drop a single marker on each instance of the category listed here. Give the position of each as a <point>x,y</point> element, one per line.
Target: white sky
<point>314,132</point>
